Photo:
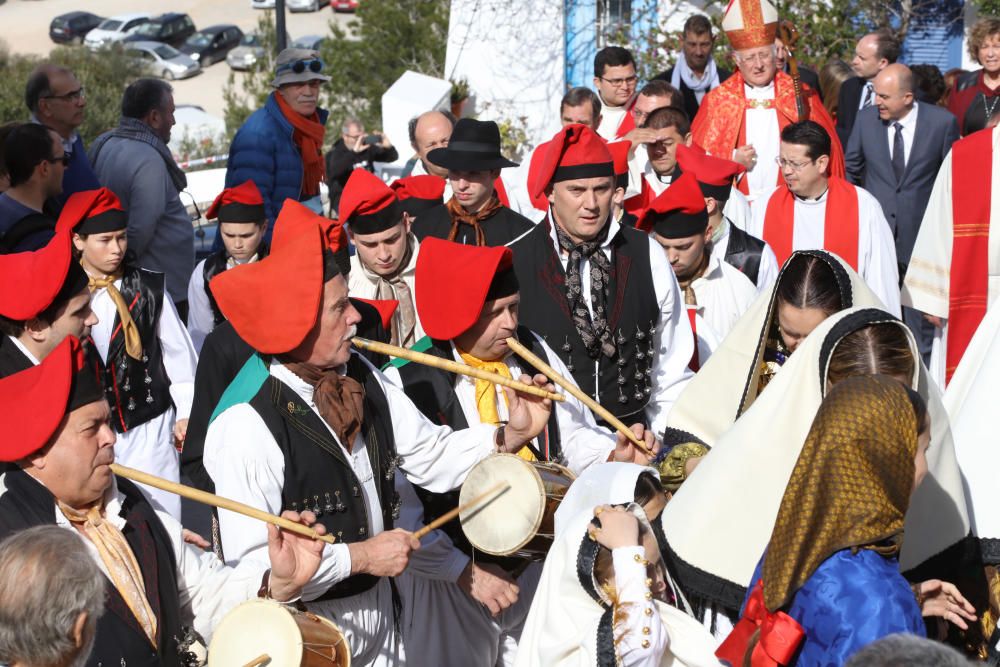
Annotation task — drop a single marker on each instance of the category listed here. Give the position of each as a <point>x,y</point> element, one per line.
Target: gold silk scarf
<point>133,343</point>
<point>850,487</point>
<point>118,559</point>
<point>486,395</point>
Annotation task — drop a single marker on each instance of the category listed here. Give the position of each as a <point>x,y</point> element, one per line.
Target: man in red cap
<point>604,295</point>
<point>715,293</point>
<point>307,424</point>
<point>468,299</point>
<point>155,584</point>
<point>147,357</point>
<point>242,222</point>
<point>730,243</point>
<point>475,213</point>
<point>385,251</point>
<point>43,299</point>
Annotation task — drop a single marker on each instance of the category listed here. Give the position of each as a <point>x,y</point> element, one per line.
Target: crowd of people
<point>732,326</point>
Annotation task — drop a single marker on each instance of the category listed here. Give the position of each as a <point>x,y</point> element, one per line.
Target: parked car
<point>163,60</point>
<point>212,44</point>
<point>262,4</point>
<point>113,29</point>
<point>71,28</point>
<point>249,51</point>
<point>305,5</point>
<point>311,42</point>
<point>344,5</point>
<point>171,28</point>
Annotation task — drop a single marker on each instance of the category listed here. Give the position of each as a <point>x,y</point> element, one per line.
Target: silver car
<point>305,5</point>
<point>249,51</point>
<point>163,60</point>
<point>113,29</point>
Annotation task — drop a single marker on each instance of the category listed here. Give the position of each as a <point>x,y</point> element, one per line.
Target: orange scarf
<point>840,223</point>
<point>459,217</point>
<point>308,136</point>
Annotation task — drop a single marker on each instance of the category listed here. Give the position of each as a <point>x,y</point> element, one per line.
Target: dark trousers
<point>182,310</point>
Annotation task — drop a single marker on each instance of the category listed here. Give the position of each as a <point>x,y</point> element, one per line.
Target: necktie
<point>133,343</point>
<point>867,102</point>
<point>898,153</point>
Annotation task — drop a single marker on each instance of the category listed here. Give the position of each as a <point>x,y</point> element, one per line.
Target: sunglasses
<point>299,66</point>
<point>64,158</point>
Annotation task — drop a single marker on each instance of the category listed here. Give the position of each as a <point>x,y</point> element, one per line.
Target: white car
<point>262,4</point>
<point>163,60</point>
<point>113,29</point>
<point>306,5</point>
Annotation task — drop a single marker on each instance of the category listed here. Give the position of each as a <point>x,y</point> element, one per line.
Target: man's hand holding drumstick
<point>295,558</point>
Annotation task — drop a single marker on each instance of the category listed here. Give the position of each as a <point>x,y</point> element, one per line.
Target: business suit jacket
<point>847,106</point>
<point>869,165</point>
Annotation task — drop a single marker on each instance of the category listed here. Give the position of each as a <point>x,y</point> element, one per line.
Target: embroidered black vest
<point>120,639</point>
<point>744,252</point>
<point>138,390</point>
<point>215,264</point>
<point>432,390</point>
<point>318,477</point>
<point>621,384</point>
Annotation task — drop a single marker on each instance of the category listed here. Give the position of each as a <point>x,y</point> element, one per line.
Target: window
<point>613,18</point>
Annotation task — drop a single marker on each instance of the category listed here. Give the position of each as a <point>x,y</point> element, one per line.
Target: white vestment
<point>764,134</point>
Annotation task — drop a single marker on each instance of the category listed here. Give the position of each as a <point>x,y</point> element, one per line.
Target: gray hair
<point>411,127</point>
<point>352,122</point>
<point>904,650</point>
<point>47,578</point>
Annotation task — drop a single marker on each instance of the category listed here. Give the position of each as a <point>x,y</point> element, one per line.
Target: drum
<point>519,521</point>
<point>288,638</point>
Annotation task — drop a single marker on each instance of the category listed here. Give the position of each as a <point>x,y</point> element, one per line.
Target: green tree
<point>243,93</point>
<point>104,78</point>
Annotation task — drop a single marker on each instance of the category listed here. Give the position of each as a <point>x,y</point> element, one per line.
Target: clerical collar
<point>811,200</point>
<point>759,92</point>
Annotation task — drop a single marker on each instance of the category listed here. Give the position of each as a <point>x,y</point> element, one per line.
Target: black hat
<point>474,146</point>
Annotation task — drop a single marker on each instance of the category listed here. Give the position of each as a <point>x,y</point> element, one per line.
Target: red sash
<point>694,364</point>
<point>780,635</point>
<point>840,222</point>
<point>968,290</point>
<point>628,122</point>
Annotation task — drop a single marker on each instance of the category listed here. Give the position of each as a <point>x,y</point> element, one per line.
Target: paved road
<point>25,29</point>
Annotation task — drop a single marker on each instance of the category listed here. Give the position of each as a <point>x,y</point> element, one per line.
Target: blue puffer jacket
<point>263,151</point>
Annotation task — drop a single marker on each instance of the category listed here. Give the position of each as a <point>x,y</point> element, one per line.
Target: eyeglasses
<point>794,166</point>
<point>71,96</point>
<point>299,66</point>
<point>762,58</point>
<point>64,158</point>
<point>618,83</point>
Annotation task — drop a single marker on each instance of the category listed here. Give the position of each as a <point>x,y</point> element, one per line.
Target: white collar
<point>31,357</point>
<point>613,228</point>
<point>759,93</point>
<point>114,503</point>
<point>812,202</point>
<point>910,119</point>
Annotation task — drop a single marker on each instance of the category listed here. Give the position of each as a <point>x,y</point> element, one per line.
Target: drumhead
<point>514,516</point>
<point>252,629</point>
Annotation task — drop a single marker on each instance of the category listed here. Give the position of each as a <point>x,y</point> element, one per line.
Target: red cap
<point>31,281</point>
<point>679,211</point>
<point>715,175</point>
<point>576,151</point>
<point>619,152</point>
<point>368,205</point>
<point>274,303</point>
<point>454,280</point>
<point>43,392</point>
<point>242,203</point>
<point>423,186</point>
<point>386,309</point>
<point>92,212</point>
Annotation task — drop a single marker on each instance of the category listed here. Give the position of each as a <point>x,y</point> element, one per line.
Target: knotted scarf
<point>338,398</point>
<point>486,395</point>
<point>308,136</point>
<point>594,330</point>
<point>459,217</point>
<point>394,288</point>
<point>133,343</point>
<point>118,559</point>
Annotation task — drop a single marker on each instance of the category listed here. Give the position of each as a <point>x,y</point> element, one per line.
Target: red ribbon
<point>780,635</point>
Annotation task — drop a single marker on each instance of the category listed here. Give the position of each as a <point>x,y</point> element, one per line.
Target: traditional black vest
<point>120,639</point>
<point>744,252</point>
<point>622,384</point>
<point>138,390</point>
<point>318,477</point>
<point>501,228</point>
<point>432,390</point>
<point>12,360</point>
<point>215,264</point>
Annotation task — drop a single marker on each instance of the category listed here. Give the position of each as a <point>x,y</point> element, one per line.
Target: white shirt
<point>612,117</point>
<point>363,287</point>
<point>876,247</point>
<point>247,465</point>
<point>201,317</point>
<point>673,340</point>
<point>723,295</point>
<point>24,350</point>
<point>418,170</point>
<point>764,134</point>
<point>767,272</point>
<point>909,123</point>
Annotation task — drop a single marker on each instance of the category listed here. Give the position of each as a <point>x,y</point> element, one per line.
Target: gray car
<point>249,51</point>
<point>163,60</point>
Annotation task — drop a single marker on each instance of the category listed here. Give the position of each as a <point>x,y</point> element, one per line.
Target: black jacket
<point>501,228</point>
<point>691,103</point>
<point>341,161</point>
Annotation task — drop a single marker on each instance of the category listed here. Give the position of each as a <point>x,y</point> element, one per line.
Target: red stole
<point>695,363</point>
<point>628,122</point>
<point>840,222</point>
<point>968,290</point>
<point>780,635</point>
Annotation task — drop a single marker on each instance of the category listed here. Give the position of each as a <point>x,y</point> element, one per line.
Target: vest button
<point>362,531</point>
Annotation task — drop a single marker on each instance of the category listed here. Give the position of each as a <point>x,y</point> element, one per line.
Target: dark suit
<point>848,102</point>
<point>690,99</point>
<point>810,78</point>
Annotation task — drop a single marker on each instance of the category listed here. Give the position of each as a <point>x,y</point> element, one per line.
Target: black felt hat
<point>474,146</point>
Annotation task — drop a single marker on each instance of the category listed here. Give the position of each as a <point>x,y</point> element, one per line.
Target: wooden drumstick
<point>217,501</point>
<point>454,367</point>
<point>259,660</point>
<point>571,388</point>
<point>451,514</point>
